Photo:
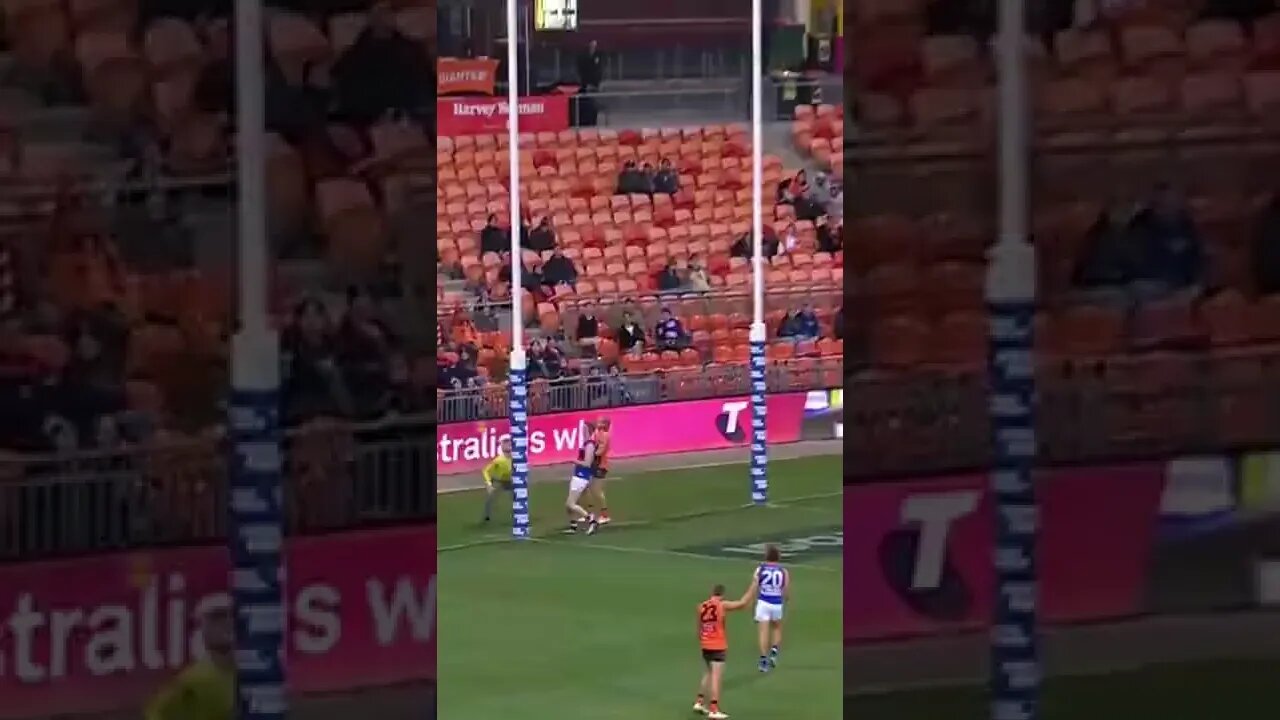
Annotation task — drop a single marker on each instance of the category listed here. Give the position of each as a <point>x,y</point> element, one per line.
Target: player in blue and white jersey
<point>772,585</point>
<point>584,472</point>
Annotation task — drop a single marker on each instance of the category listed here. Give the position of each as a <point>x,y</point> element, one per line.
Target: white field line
<point>675,553</point>
<point>689,466</point>
<point>495,538</point>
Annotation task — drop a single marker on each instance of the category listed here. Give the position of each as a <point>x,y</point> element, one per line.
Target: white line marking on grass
<point>672,553</point>
<point>495,539</point>
<point>617,478</point>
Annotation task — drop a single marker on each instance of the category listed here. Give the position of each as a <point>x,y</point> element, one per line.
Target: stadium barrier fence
<point>597,392</point>
<point>338,476</point>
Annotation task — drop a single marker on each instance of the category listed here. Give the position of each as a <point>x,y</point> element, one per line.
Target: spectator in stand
<point>1173,260</point>
<point>631,181</point>
<point>742,248</point>
<point>546,362</point>
<point>534,282</point>
<point>668,278</point>
<point>800,324</point>
<point>666,180</point>
<point>493,238</point>
<point>587,333</point>
<point>1108,265</point>
<point>591,68</point>
<point>790,240</point>
<point>670,333</point>
<point>559,270</point>
<point>697,277</point>
<point>830,238</point>
<point>382,73</point>
<point>364,345</point>
<point>542,237</point>
<point>462,331</point>
<point>1266,249</point>
<point>91,385</point>
<point>298,113</point>
<point>647,172</point>
<point>630,334</point>
<point>313,386</point>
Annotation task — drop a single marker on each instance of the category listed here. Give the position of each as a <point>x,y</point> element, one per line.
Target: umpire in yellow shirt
<point>497,476</point>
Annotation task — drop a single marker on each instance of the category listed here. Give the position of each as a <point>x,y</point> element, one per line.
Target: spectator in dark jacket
<point>630,334</point>
<point>587,333</point>
<point>364,346</point>
<point>542,237</point>
<point>666,180</point>
<point>632,181</point>
<point>493,238</point>
<point>668,279</point>
<point>559,270</point>
<point>382,72</point>
<point>591,68</point>
<point>1173,257</point>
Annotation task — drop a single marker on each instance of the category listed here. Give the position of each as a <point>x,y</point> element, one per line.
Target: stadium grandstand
<point>1154,217</point>
<point>118,251</point>
<point>637,209</point>
<point>116,260</point>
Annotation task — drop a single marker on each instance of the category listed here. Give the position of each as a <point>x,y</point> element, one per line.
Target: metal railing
<point>607,391</point>
<point>337,477</point>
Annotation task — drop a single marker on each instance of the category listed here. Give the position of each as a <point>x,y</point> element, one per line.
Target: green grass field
<point>602,627</point>
<point>1223,690</point>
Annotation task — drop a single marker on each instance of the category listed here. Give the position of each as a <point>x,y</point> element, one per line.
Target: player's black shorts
<point>600,473</point>
<point>710,656</point>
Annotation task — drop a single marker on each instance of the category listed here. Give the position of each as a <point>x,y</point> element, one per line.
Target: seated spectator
<point>493,238</point>
<point>742,247</point>
<point>670,333</point>
<point>559,270</point>
<point>804,323</point>
<point>587,332</point>
<point>1136,255</point>
<point>364,344</point>
<point>800,324</point>
<point>631,181</point>
<point>546,362</point>
<point>830,237</point>
<point>383,72</point>
<point>668,279</point>
<point>813,202</point>
<point>462,331</point>
<point>697,277</point>
<point>313,385</point>
<point>647,172</point>
<point>1266,249</point>
<point>792,189</point>
<point>1111,252</point>
<point>92,385</point>
<point>541,238</point>
<point>462,374</point>
<point>666,180</point>
<point>1173,259</point>
<point>630,334</point>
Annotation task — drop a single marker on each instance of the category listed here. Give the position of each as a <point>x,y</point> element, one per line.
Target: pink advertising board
<point>918,555</point>
<point>637,430</point>
<point>104,632</point>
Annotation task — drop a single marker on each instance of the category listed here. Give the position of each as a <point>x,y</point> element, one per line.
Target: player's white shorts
<point>578,485</point>
<point>768,612</point>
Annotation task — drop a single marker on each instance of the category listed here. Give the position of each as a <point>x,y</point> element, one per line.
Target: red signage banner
<point>466,76</point>
<point>638,431</point>
<point>103,633</point>
<point>488,116</point>
<point>918,555</point>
